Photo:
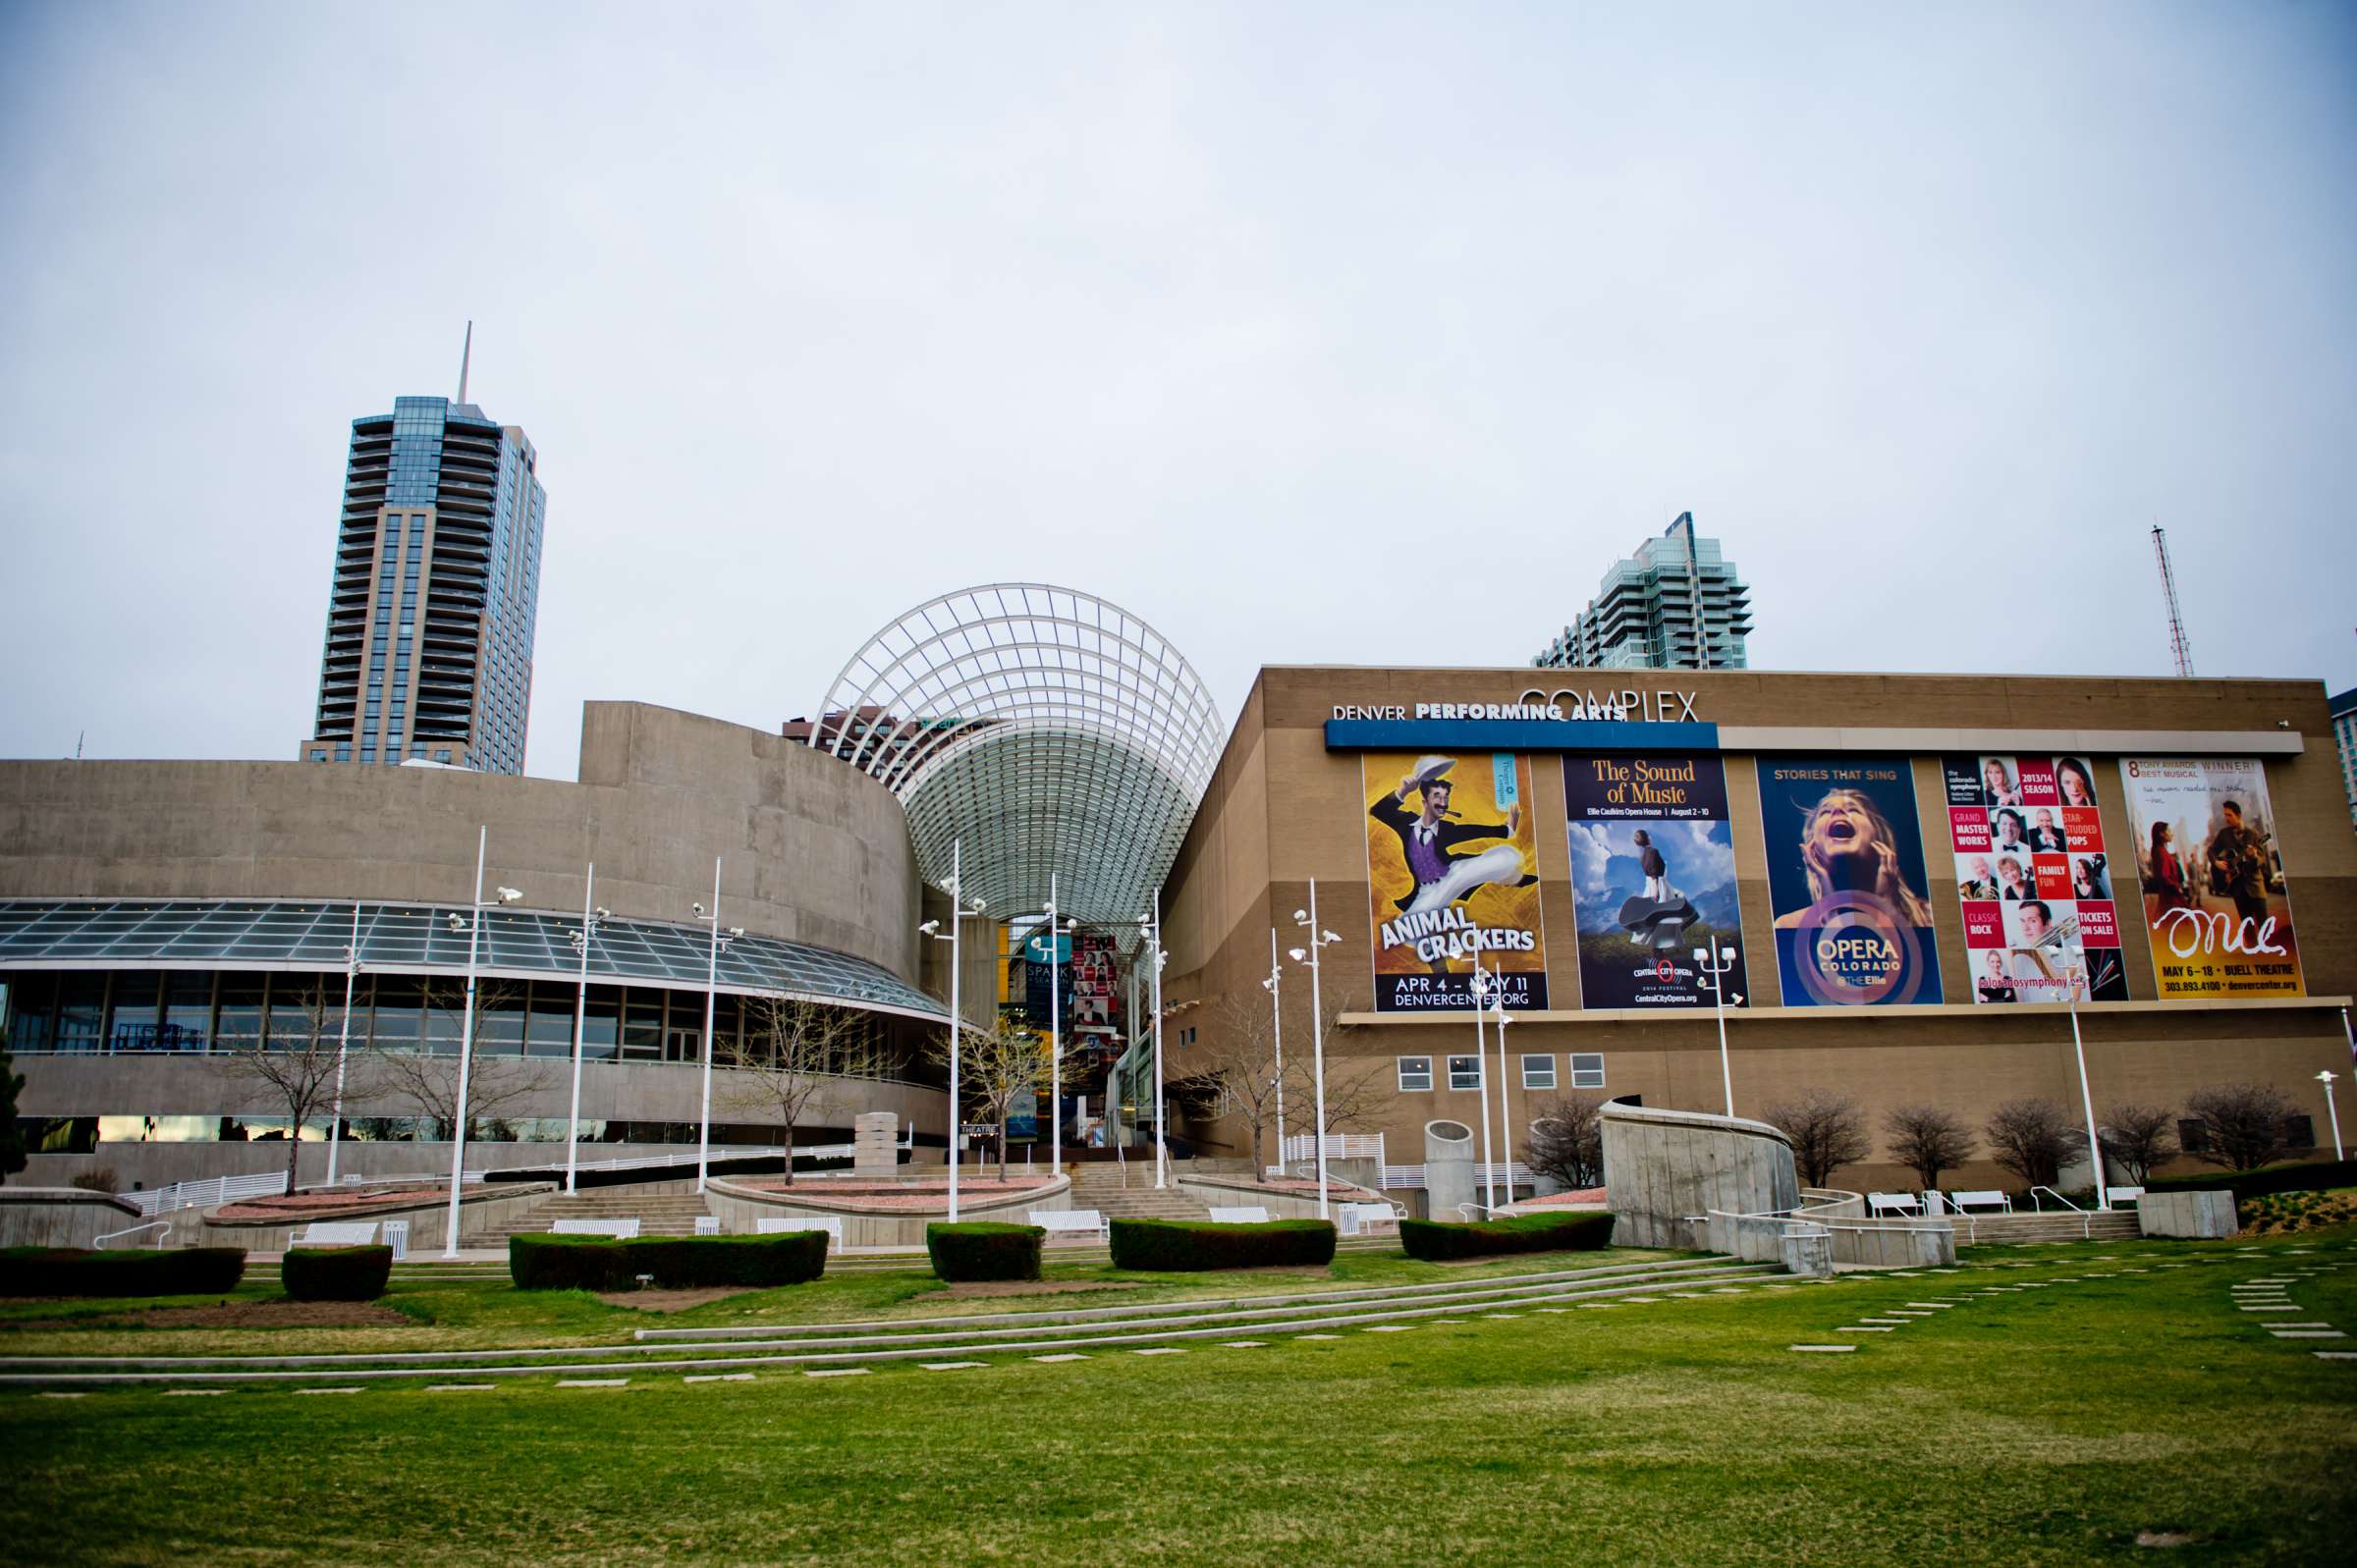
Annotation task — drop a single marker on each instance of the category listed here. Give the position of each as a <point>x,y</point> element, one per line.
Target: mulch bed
<point>670,1300</point>
<point>968,1288</point>
<point>235,1315</point>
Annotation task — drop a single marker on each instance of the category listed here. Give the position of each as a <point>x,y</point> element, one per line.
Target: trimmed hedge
<point>2313,1175</point>
<point>983,1250</point>
<point>1190,1246</point>
<point>335,1274</point>
<point>137,1271</point>
<point>538,1262</point>
<point>1438,1241</point>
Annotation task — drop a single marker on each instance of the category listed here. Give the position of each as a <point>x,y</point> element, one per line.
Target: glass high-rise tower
<point>1677,603</point>
<point>437,582</point>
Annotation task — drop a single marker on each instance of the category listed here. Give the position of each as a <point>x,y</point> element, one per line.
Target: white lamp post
<point>1149,930</point>
<point>711,917</point>
<point>2325,1078</point>
<point>1055,933</point>
<point>352,973</point>
<point>1308,920</point>
<point>593,917</point>
<point>1273,985</point>
<point>1499,1018</point>
<point>472,925</point>
<point>1480,989</point>
<point>1717,971</point>
<point>932,928</point>
<point>2094,1148</point>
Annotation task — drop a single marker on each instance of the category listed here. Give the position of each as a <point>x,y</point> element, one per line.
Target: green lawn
<point>2049,1426</point>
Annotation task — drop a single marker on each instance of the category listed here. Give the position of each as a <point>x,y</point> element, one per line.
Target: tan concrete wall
<point>813,851</point>
<point>1963,1058</point>
<point>67,1216</point>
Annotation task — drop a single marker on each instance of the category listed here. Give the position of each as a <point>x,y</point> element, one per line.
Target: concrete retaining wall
<point>67,1216</point>
<point>1664,1168</point>
<point>428,1220</point>
<point>740,1207</point>
<point>2207,1215</point>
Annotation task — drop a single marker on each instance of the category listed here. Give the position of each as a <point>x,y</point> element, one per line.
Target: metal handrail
<point>98,1244</point>
<point>2086,1216</point>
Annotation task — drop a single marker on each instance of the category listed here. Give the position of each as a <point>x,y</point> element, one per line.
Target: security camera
<point>736,930</point>
<point>1300,914</point>
<point>510,895</point>
<point>699,910</point>
<point>603,913</point>
<point>1296,954</point>
<point>929,927</point>
<point>456,924</point>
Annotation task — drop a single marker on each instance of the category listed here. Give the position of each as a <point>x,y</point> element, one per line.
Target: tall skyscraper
<point>436,587</point>
<point>1677,603</point>
<point>2344,731</point>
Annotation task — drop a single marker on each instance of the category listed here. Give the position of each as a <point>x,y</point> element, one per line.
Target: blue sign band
<point>1516,735</point>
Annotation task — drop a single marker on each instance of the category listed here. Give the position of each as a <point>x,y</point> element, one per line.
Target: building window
<point>1465,1072</point>
<point>1538,1072</point>
<point>1587,1070</point>
<point>1416,1074</point>
<point>2193,1137</point>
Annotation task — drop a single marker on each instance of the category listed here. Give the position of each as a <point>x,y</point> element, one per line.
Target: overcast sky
<point>1308,333</point>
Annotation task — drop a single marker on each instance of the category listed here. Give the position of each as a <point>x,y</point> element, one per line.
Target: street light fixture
<point>720,940</point>
<point>1275,985</point>
<point>2073,975</point>
<point>1718,972</point>
<point>1056,936</point>
<point>472,925</point>
<point>2325,1078</point>
<point>1499,1018</point>
<point>1480,989</point>
<point>1149,931</point>
<point>1308,920</point>
<point>594,916</point>
<point>959,910</point>
<point>352,974</point>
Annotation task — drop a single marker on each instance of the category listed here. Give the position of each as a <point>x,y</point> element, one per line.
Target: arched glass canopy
<point>1050,732</point>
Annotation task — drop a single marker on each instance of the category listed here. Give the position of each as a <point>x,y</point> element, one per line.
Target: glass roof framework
<point>397,939</point>
<point>1077,743</point>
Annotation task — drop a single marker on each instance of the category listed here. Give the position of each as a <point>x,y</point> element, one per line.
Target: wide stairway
<point>1098,1185</point>
<point>665,1214</point>
<point>1986,1230</point>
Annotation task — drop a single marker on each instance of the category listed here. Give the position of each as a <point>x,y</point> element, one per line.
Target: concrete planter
<point>740,1209</point>
<point>2207,1215</point>
<point>67,1216</point>
<point>428,1219</point>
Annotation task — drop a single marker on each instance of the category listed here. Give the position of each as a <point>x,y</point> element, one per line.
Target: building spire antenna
<point>465,356</point>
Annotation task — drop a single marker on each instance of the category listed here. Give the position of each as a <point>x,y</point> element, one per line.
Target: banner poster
<point>1846,879</point>
<point>2216,904</point>
<point>1452,870</point>
<point>2032,879</point>
<point>1653,877</point>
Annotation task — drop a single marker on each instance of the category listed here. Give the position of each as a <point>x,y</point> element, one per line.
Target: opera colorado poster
<point>1453,872</point>
<point>1846,879</point>
<point>2215,903</point>
<point>1653,877</point>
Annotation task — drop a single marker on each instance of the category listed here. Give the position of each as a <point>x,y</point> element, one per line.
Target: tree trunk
<point>1003,1121</point>
<point>788,1151</point>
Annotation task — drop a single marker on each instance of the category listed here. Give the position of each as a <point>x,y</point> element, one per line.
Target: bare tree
<point>1237,1062</point>
<point>2244,1125</point>
<point>291,1067</point>
<point>790,1051</point>
<point>2031,1138</point>
<point>2136,1138</point>
<point>431,1078</point>
<point>999,1068</point>
<point>1927,1141</point>
<point>1566,1140</point>
<point>1827,1130</point>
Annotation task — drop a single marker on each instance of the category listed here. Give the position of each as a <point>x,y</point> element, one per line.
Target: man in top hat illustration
<point>1428,841</point>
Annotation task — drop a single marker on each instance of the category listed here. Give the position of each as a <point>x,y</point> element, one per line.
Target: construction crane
<point>2180,648</point>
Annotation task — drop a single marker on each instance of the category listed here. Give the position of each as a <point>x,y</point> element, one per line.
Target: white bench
<point>1962,1202</point>
<point>1357,1218</point>
<point>1893,1203</point>
<point>626,1229</point>
<point>2120,1195</point>
<point>335,1233</point>
<point>1072,1223</point>
<point>832,1225</point>
<point>707,1225</point>
<point>1253,1215</point>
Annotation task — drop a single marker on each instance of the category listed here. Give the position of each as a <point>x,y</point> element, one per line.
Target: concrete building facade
<point>1290,804</point>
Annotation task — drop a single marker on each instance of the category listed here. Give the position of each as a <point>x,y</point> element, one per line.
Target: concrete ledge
<point>2207,1215</point>
<point>1665,1169</point>
<point>66,1216</point>
<point>480,1209</point>
<point>739,1208</point>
